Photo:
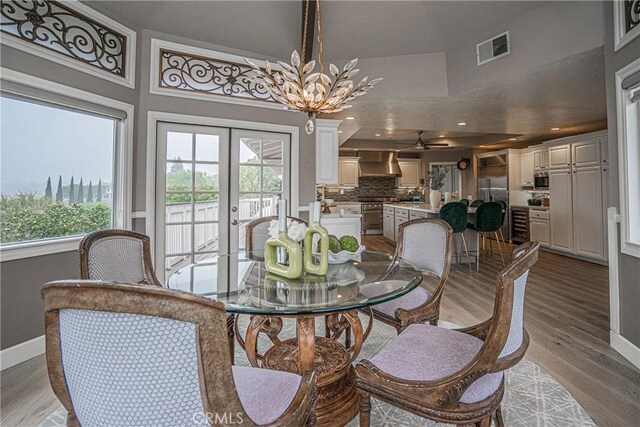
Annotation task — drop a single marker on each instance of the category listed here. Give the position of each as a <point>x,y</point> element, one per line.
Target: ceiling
<point>568,94</point>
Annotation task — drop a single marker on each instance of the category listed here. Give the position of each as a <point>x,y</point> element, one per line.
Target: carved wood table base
<point>338,399</point>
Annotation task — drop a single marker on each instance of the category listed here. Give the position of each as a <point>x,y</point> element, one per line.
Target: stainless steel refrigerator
<point>493,185</point>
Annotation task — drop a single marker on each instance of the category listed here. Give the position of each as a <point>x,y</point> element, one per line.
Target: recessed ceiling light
<point>377,134</point>
<point>350,118</point>
<point>339,131</point>
<point>440,136</point>
<point>512,139</point>
<point>462,123</point>
<point>555,128</point>
<point>482,146</point>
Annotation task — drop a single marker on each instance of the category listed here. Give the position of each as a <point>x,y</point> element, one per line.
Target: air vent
<point>495,47</point>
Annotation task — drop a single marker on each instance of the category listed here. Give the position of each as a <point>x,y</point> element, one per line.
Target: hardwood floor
<point>567,315</point>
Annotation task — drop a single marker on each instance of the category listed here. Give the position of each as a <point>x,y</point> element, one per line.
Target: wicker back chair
<point>258,232</point>
<point>122,354</point>
<point>117,256</point>
<point>454,376</point>
<point>427,244</point>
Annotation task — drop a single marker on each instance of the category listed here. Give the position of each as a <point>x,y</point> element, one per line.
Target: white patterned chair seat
<point>409,301</point>
<point>428,353</point>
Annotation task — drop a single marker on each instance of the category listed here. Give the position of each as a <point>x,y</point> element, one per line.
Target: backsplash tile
<point>370,187</point>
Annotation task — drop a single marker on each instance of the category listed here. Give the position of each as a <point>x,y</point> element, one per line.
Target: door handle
<point>234,222</point>
<point>234,209</point>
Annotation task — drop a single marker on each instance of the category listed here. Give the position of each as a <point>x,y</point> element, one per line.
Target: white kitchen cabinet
<point>539,231</point>
<point>410,173</point>
<point>540,159</point>
<point>327,152</point>
<point>400,217</point>
<point>388,226</point>
<point>560,156</point>
<point>526,169</point>
<point>348,171</point>
<point>561,209</point>
<point>588,218</point>
<point>586,153</point>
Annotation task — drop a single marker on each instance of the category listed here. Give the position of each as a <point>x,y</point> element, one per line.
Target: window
<point>60,170</point>
<point>452,179</point>
<point>628,98</point>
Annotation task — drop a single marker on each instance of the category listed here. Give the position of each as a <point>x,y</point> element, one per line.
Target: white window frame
<point>628,124</point>
<point>621,37</point>
<point>431,164</point>
<point>122,188</point>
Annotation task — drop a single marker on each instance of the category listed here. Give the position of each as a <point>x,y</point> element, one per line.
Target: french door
<point>210,183</point>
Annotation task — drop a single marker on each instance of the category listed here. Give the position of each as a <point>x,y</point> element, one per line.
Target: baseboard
<point>627,349</point>
<point>22,352</point>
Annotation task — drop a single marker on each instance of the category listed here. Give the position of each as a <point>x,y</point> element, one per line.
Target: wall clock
<point>463,164</point>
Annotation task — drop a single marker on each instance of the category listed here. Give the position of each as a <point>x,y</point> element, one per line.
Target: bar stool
<point>504,214</point>
<point>465,202</point>
<point>487,219</point>
<point>476,203</point>
<point>455,214</point>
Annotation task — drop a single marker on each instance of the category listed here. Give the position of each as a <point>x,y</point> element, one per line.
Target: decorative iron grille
<point>192,73</point>
<point>631,14</point>
<point>55,26</point>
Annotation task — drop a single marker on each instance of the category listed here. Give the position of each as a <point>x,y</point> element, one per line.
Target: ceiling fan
<point>420,144</point>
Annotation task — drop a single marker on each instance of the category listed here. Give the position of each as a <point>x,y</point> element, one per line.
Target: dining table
<point>241,282</point>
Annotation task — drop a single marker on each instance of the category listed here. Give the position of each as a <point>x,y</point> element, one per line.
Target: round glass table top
<point>241,282</point>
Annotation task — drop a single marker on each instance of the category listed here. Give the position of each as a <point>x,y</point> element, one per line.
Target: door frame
<point>154,117</point>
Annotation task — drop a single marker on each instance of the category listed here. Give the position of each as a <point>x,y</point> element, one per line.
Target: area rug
<point>532,397</point>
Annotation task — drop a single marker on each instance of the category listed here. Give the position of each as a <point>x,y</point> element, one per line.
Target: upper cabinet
<point>586,153</point>
<point>327,151</point>
<point>540,159</point>
<point>410,173</point>
<point>348,171</point>
<point>560,156</point>
<point>526,169</point>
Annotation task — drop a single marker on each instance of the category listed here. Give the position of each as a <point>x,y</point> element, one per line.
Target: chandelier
<point>297,87</point>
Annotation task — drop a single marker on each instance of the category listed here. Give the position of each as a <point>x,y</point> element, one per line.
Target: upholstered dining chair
<point>125,256</point>
<point>427,244</point>
<point>257,232</point>
<point>455,214</point>
<point>454,376</point>
<point>123,354</point>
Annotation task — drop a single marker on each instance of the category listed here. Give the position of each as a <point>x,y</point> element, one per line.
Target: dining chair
<point>455,214</point>
<point>488,219</point>
<point>426,243</point>
<point>125,256</point>
<point>125,354</point>
<point>257,232</point>
<point>476,203</point>
<point>454,376</point>
<point>465,202</point>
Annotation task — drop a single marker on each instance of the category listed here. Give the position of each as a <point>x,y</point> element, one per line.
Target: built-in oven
<point>372,218</point>
<point>541,180</point>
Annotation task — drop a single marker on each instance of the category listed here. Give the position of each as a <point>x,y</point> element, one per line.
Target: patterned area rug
<point>532,397</point>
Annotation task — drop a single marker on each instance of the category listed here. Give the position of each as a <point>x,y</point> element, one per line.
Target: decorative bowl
<point>342,256</point>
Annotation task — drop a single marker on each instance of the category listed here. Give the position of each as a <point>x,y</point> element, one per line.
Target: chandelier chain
<point>320,39</point>
<point>304,34</point>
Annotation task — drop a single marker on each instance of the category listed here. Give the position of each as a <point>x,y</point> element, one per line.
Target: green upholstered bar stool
<point>476,203</point>
<point>465,202</point>
<point>487,219</point>
<point>455,214</point>
<point>504,214</point>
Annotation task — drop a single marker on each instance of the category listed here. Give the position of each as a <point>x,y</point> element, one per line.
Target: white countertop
<point>540,208</point>
<point>338,215</point>
<point>418,206</point>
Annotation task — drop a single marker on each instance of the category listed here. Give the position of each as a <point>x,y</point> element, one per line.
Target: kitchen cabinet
<point>348,171</point>
<point>561,210</point>
<point>526,169</point>
<point>539,229</point>
<point>418,215</point>
<point>410,173</point>
<point>540,159</point>
<point>588,220</point>
<point>401,216</point>
<point>586,153</point>
<point>560,156</point>
<point>327,143</point>
<point>388,225</point>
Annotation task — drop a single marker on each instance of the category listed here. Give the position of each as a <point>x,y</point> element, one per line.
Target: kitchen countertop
<point>417,206</point>
<point>338,215</point>
<point>540,208</point>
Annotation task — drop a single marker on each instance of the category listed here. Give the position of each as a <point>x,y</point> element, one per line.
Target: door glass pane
<point>179,146</point>
<point>207,178</point>
<point>272,151</point>
<point>207,147</point>
<point>178,208</point>
<point>250,150</point>
<point>206,207</point>
<point>249,207</point>
<point>270,204</point>
<point>272,179</point>
<point>178,239</point>
<point>250,178</point>
<point>206,237</point>
<point>179,177</point>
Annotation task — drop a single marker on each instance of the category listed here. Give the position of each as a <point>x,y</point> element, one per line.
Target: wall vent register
<point>494,48</point>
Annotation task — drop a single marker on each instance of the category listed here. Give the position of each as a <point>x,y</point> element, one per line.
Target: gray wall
<point>22,310</point>
<point>629,268</point>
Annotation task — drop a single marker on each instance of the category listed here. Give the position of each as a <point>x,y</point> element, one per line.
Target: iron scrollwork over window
<point>193,73</point>
<point>53,25</point>
<point>631,14</point>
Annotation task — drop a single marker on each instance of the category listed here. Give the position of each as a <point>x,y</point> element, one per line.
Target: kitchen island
<point>347,224</point>
<point>396,214</point>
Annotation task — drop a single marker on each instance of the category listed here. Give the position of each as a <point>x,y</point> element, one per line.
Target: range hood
<point>379,164</point>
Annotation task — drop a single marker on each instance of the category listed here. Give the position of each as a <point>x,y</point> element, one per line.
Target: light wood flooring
<point>567,315</point>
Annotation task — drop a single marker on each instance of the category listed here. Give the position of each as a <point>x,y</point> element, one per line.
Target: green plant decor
<point>435,178</point>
